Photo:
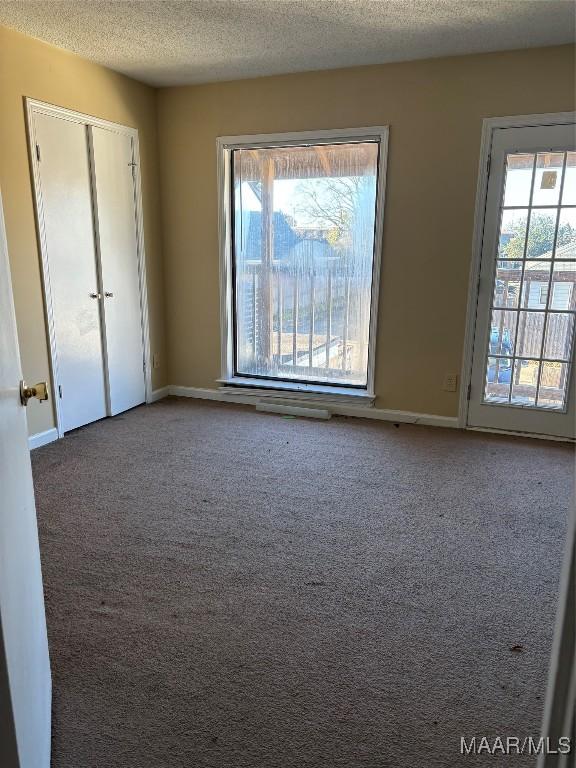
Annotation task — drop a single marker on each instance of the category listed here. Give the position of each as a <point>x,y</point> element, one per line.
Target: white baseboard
<point>42,438</point>
<point>344,409</point>
<point>159,394</point>
<point>212,394</point>
<point>404,417</point>
<point>494,431</point>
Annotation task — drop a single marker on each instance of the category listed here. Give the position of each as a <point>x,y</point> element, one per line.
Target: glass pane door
<point>531,334</point>
<point>523,356</point>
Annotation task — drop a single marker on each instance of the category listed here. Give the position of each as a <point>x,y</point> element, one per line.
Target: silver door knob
<point>108,294</point>
<point>95,296</point>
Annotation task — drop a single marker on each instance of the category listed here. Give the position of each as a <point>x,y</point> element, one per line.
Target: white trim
<point>295,389</point>
<point>377,263</point>
<point>42,438</point>
<point>158,394</point>
<point>489,125</point>
<point>141,250</point>
<point>493,431</point>
<point>34,107</point>
<point>300,138</point>
<point>209,394</point>
<point>53,110</point>
<point>224,146</point>
<point>293,410</point>
<point>224,242</point>
<point>474,276</point>
<point>252,397</point>
<point>527,121</point>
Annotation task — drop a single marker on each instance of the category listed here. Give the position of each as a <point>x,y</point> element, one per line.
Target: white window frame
<point>225,145</point>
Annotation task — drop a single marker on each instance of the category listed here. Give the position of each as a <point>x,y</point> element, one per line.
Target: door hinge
<point>469,392</point>
<point>38,152</point>
<point>60,391</point>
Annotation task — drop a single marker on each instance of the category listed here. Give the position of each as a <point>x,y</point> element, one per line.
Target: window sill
<point>246,386</point>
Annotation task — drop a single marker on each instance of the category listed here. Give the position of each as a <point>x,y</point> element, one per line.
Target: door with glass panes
<point>523,357</point>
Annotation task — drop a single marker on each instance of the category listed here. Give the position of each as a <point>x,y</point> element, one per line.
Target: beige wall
<point>31,68</point>
<point>435,110</point>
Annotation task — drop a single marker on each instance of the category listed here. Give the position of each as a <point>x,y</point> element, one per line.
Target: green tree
<point>540,239</point>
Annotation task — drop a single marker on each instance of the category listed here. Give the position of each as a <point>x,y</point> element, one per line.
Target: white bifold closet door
<point>74,286</point>
<point>87,213</point>
<point>118,247</point>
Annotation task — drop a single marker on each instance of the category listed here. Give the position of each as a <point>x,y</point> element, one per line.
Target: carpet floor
<point>228,589</point>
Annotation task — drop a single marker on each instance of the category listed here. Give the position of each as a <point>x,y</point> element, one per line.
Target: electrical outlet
<point>155,360</point>
<point>450,382</point>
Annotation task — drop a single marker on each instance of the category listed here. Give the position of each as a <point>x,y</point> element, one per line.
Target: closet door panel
<point>69,237</point>
<point>118,248</point>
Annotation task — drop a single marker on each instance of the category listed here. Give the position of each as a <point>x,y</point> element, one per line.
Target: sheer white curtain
<point>303,253</point>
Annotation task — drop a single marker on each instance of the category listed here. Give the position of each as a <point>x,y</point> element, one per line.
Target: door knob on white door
<point>39,390</point>
<point>109,294</point>
<point>95,296</point>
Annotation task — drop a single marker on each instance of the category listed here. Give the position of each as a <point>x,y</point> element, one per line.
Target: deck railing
<point>300,321</point>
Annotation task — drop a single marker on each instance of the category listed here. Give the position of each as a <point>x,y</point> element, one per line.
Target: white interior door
<point>560,708</point>
<point>25,684</point>
<point>115,215</point>
<point>523,358</point>
<point>66,215</point>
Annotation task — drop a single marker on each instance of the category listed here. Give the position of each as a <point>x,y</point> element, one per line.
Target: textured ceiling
<point>195,41</point>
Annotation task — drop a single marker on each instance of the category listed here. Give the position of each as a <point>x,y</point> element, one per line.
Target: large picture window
<point>303,240</point>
